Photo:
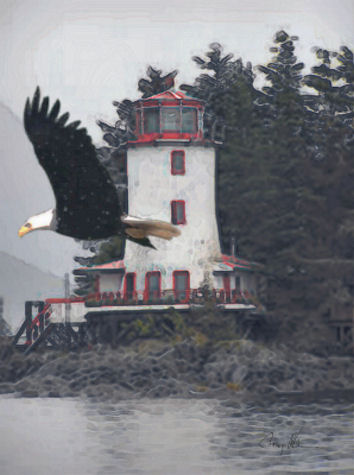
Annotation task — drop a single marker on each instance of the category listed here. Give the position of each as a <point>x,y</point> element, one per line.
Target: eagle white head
<point>45,220</point>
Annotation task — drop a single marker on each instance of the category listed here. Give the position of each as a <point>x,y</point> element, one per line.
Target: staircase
<point>40,328</point>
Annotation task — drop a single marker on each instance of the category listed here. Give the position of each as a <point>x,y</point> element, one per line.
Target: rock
<point>160,370</point>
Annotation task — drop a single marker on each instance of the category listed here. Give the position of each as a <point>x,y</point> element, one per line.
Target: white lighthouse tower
<point>171,176</point>
<point>170,171</point>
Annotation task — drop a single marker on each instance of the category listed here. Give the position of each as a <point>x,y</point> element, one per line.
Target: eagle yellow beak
<point>24,230</point>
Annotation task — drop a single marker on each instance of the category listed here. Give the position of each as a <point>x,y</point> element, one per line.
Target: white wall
<point>151,187</point>
<point>110,282</point>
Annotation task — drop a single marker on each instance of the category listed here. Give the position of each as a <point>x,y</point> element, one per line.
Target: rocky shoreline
<point>153,368</point>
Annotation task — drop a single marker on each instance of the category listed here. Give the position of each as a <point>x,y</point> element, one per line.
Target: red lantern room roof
<point>169,97</point>
<point>170,116</point>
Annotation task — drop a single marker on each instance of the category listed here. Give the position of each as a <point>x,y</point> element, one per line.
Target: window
<point>189,121</point>
<point>181,285</point>
<point>129,288</point>
<point>227,287</point>
<point>170,119</point>
<point>153,285</point>
<point>151,121</point>
<point>178,214</point>
<point>178,162</point>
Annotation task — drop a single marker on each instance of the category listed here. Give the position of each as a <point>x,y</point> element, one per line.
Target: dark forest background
<point>285,177</point>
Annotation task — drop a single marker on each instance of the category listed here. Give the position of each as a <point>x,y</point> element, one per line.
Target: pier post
<point>28,318</point>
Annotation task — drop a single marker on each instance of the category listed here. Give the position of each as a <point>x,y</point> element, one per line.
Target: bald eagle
<point>87,204</point>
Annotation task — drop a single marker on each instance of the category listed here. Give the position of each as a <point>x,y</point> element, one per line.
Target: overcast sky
<point>90,52</point>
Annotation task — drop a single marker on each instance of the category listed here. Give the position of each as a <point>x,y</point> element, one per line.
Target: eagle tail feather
<point>143,227</point>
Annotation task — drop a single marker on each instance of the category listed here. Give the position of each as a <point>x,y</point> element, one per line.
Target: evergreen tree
<point>333,100</point>
<point>213,87</point>
<point>267,191</point>
<point>333,124</point>
<point>156,83</point>
<point>265,153</point>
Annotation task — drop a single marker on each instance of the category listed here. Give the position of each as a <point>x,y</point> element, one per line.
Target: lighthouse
<point>171,176</point>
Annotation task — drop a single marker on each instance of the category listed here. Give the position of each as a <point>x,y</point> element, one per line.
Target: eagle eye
<point>27,225</point>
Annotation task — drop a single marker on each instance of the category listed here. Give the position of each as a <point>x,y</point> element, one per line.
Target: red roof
<point>170,95</point>
<point>236,262</point>
<point>109,266</point>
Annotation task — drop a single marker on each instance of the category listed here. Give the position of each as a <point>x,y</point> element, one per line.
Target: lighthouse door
<point>129,291</point>
<point>227,288</point>
<point>153,286</point>
<point>181,286</point>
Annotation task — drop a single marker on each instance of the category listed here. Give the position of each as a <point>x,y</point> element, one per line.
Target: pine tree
<point>213,87</point>
<point>156,83</point>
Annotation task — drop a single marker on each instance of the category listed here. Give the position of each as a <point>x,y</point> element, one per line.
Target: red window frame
<point>147,295</point>
<point>227,286</point>
<point>176,291</point>
<point>174,171</point>
<point>174,204</point>
<point>125,290</point>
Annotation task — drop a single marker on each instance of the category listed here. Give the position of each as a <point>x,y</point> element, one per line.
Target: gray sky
<point>90,52</point>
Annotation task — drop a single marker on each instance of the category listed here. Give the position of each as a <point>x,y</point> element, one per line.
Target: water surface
<point>174,436</point>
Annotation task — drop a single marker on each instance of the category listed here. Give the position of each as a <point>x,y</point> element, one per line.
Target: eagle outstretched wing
<point>87,203</point>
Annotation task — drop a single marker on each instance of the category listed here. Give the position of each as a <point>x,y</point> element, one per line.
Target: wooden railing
<point>38,326</point>
<point>34,327</point>
<point>165,297</point>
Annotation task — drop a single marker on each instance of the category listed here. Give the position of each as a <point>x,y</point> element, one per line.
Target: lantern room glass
<point>170,119</point>
<point>151,121</point>
<point>189,121</point>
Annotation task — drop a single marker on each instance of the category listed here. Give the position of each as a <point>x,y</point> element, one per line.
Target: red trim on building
<point>171,136</point>
<point>147,103</point>
<point>159,139</point>
<point>235,262</point>
<point>175,171</point>
<point>171,96</point>
<point>109,266</point>
<point>161,102</point>
<point>64,300</point>
<point>175,204</point>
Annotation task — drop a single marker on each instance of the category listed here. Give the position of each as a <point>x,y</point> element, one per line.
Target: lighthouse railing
<point>168,296</point>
